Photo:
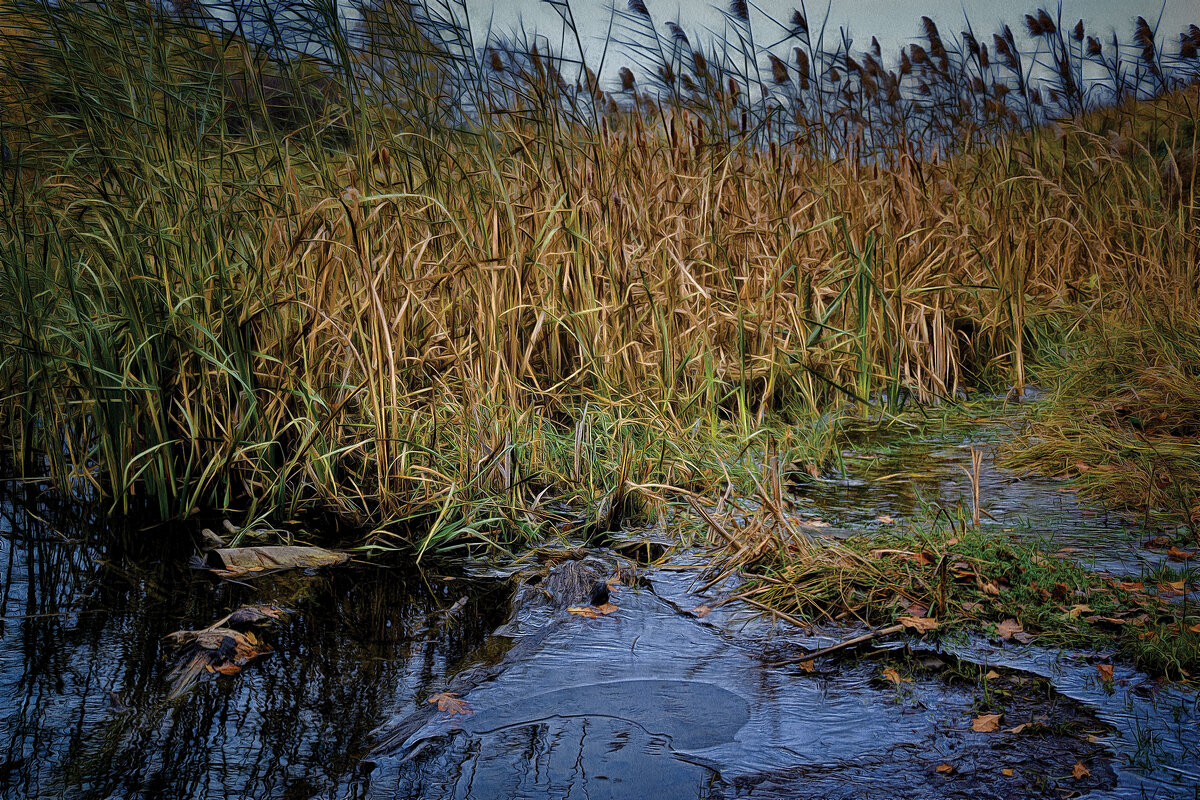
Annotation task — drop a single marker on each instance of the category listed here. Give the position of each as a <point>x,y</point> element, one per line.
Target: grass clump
<point>964,578</point>
<point>1124,418</point>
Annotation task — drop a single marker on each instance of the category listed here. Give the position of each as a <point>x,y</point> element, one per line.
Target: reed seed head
<point>779,70</point>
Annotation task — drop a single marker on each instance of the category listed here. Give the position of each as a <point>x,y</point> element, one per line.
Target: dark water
<point>650,702</point>
<point>81,641</point>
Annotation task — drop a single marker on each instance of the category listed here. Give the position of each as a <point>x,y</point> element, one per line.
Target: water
<point>81,640</point>
<point>651,701</point>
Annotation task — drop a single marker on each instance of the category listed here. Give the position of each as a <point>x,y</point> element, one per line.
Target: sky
<point>894,22</point>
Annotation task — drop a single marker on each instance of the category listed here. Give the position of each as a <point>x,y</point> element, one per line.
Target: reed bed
<point>453,295</point>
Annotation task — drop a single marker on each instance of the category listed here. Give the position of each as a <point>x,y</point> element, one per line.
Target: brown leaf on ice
<point>450,703</point>
<point>1008,773</point>
<point>1080,771</point>
<point>1106,672</point>
<point>986,723</point>
<point>807,666</point>
<point>592,612</point>
<point>945,769</point>
<point>894,676</point>
<point>1178,554</point>
<point>919,624</point>
<point>701,611</point>
<point>227,669</point>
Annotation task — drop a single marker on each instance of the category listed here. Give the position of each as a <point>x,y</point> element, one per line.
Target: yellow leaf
<point>986,723</point>
<point>991,675</point>
<point>588,612</point>
<point>1077,610</point>
<point>1008,773</point>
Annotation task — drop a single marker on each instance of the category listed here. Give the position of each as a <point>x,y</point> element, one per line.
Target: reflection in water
<point>83,709</point>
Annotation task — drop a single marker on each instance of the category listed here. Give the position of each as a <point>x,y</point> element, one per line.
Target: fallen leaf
<point>885,519</point>
<point>1195,628</point>
<point>592,612</point>
<point>989,588</point>
<point>228,562</point>
<point>986,723</point>
<point>1077,610</point>
<point>1080,771</point>
<point>945,769</point>
<point>919,624</point>
<point>894,676</point>
<point>701,611</point>
<point>1009,628</point>
<point>227,669</point>
<point>1008,773</point>
<point>1106,672</point>
<point>587,612</point>
<point>1177,554</point>
<point>1131,586</point>
<point>917,610</point>
<point>451,704</point>
<point>807,666</point>
<point>1021,727</point>
<point>991,675</point>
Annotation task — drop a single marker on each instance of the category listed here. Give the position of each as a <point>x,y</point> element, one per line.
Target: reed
<point>459,295</point>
